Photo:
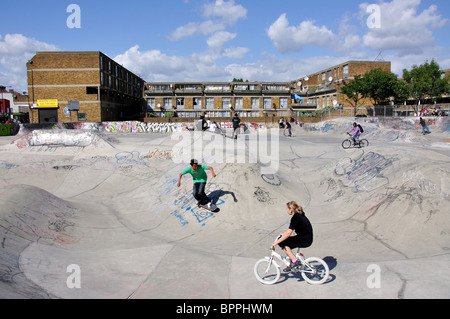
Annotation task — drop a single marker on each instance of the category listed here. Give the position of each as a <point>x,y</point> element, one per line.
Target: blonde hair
<point>296,207</point>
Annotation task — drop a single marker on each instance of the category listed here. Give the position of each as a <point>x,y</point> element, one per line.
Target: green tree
<point>402,91</point>
<point>425,81</point>
<point>239,80</point>
<point>354,90</point>
<point>380,86</point>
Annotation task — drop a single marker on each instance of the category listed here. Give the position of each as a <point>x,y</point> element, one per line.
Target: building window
<point>226,103</point>
<point>267,103</point>
<point>150,104</point>
<point>274,87</point>
<point>210,103</point>
<point>255,103</point>
<point>81,116</point>
<point>346,71</point>
<point>197,103</point>
<point>246,114</point>
<point>238,103</point>
<point>91,90</point>
<point>219,114</point>
<point>180,103</point>
<point>241,87</point>
<point>167,103</point>
<point>283,103</point>
<point>218,88</point>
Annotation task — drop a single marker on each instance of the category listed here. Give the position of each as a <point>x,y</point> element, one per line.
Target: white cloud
<point>403,27</point>
<point>156,66</point>
<point>288,38</point>
<point>402,60</point>
<point>219,14</point>
<point>219,39</point>
<point>15,51</point>
<point>235,52</point>
<point>193,28</point>
<point>273,68</point>
<point>228,12</point>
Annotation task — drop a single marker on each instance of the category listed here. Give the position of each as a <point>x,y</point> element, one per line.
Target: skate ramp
<point>112,208</point>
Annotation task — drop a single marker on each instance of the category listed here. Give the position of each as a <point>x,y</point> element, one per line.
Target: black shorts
<point>296,242</point>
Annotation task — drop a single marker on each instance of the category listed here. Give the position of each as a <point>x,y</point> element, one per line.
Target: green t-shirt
<point>199,175</point>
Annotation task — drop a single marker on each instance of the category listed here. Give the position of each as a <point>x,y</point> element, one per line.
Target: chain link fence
<point>376,111</point>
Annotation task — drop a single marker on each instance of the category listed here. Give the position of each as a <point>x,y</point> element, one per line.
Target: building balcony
<point>155,92</point>
<point>303,105</point>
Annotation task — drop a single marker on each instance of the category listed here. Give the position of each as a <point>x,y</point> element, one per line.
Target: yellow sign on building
<point>47,104</point>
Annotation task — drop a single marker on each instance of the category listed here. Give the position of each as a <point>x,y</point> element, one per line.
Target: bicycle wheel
<point>364,143</point>
<point>316,271</point>
<point>347,144</point>
<point>266,272</point>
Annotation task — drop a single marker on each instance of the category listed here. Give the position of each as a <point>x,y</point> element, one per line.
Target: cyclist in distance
<point>355,132</point>
<point>303,234</point>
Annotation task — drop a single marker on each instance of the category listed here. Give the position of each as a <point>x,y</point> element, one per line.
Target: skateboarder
<point>199,175</point>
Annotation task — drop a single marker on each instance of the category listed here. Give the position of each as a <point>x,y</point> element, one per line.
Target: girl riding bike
<point>355,132</point>
<point>304,233</point>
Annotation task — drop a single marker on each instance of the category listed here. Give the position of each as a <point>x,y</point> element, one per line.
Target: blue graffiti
<point>188,204</point>
<point>180,217</point>
<point>134,157</point>
<point>327,127</point>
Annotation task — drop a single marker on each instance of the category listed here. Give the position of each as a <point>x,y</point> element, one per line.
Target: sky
<point>218,40</point>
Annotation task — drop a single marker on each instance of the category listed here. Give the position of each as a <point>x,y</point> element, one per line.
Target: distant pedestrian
<point>236,125</point>
<point>204,123</point>
<point>425,129</point>
<point>289,127</point>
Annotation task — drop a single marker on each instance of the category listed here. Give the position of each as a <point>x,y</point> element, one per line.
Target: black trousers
<point>199,193</point>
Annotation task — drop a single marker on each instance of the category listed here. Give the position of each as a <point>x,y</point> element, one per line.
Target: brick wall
<point>66,76</point>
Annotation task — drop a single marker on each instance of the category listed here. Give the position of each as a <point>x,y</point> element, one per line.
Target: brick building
<point>82,86</point>
<point>322,89</point>
<point>89,86</point>
<point>219,99</point>
<point>258,99</point>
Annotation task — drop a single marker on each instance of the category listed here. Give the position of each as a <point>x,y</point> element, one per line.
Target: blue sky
<point>217,40</point>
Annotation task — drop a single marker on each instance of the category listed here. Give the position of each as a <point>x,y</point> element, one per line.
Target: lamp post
<point>30,63</point>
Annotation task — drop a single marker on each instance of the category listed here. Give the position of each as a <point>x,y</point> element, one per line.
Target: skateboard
<point>213,208</point>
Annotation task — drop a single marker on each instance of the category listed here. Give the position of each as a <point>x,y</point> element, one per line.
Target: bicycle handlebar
<point>278,237</point>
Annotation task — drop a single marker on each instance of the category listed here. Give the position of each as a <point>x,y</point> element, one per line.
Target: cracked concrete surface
<point>380,218</point>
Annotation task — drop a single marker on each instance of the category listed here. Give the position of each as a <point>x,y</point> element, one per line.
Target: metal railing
<point>376,111</point>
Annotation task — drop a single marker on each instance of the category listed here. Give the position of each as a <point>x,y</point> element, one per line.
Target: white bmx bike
<point>314,270</point>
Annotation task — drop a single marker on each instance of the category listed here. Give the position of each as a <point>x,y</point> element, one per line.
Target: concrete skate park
<point>97,214</point>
